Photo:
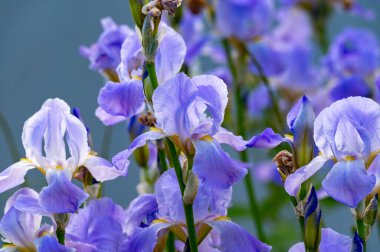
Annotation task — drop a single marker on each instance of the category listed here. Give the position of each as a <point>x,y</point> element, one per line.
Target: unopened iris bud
<point>357,244</point>
<point>312,221</point>
<point>191,188</point>
<point>149,39</point>
<point>301,123</point>
<point>284,163</point>
<point>370,215</point>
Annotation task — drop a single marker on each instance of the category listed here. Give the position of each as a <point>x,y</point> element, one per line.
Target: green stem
<point>162,156</point>
<point>170,244</point>
<point>360,226</point>
<point>9,138</point>
<point>240,106</point>
<point>187,207</point>
<point>150,67</point>
<point>60,235</point>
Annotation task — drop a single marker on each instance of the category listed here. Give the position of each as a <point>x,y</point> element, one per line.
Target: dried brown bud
<point>347,4</point>
<point>284,162</point>
<point>171,5</point>
<point>196,6</point>
<point>148,120</point>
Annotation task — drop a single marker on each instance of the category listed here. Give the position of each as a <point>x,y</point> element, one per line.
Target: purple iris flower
<point>105,53</point>
<point>210,209</point>
<point>330,241</point>
<point>45,137</point>
<point>120,101</point>
<point>350,86</point>
<point>347,136</point>
<point>244,19</point>
<point>97,227</point>
<point>23,230</point>
<point>355,51</point>
<point>193,32</point>
<point>190,112</point>
<point>258,101</point>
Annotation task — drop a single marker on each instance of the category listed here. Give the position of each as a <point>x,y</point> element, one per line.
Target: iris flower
<point>22,231</point>
<point>347,134</point>
<point>190,112</point>
<point>150,217</point>
<point>46,136</point>
<point>120,101</point>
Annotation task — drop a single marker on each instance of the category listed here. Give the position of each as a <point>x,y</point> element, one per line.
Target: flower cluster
<point>196,82</point>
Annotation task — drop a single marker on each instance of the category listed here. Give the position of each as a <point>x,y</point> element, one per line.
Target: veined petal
<point>101,169</point>
<point>175,106</point>
<point>14,175</point>
<point>121,159</point>
<point>333,241</point>
<point>50,243</point>
<point>348,182</point>
<point>294,181</point>
<point>213,165</point>
<point>214,92</point>
<point>347,139</point>
<point>61,196</point>
<point>122,99</point>
<point>139,209</point>
<point>170,54</point>
<point>268,139</point>
<point>132,57</point>
<point>226,137</point>
<point>145,239</point>
<point>16,196</point>
<point>234,238</point>
<point>20,227</point>
<point>108,119</point>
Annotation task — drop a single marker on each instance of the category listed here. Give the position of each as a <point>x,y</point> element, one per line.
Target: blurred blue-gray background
<point>39,59</point>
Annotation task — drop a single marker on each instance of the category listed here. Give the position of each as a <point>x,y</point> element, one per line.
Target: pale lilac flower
<point>45,137</point>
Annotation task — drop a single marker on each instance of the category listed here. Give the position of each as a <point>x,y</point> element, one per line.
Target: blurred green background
<point>39,59</point>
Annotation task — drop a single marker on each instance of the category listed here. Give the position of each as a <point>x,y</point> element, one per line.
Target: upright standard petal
<point>268,139</point>
<point>101,169</point>
<point>174,106</point>
<point>234,238</point>
<point>132,57</point>
<point>121,159</point>
<point>140,209</point>
<point>122,99</point>
<point>294,181</point>
<point>14,175</point>
<point>170,53</point>
<point>214,92</point>
<point>20,228</point>
<point>213,165</point>
<point>61,196</point>
<point>347,140</point>
<point>348,182</point>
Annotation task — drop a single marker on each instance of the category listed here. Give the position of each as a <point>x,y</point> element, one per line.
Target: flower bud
<point>301,123</point>
<point>284,163</point>
<point>312,221</point>
<point>370,215</point>
<point>149,39</point>
<point>357,243</point>
<point>191,188</point>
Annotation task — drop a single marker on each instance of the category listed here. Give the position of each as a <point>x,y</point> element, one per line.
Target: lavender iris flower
<point>190,112</point>
<point>105,53</point>
<point>97,227</point>
<point>210,209</point>
<point>120,101</point>
<point>244,19</point>
<point>331,241</point>
<point>355,51</point>
<point>346,134</point>
<point>23,231</point>
<point>45,137</point>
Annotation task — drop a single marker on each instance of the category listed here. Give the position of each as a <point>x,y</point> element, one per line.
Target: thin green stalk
<point>9,138</point>
<point>240,118</point>
<point>187,207</point>
<point>162,156</point>
<point>170,244</point>
<point>361,232</point>
<point>150,67</point>
<point>60,235</point>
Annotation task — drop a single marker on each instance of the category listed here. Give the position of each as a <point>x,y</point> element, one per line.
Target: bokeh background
<point>39,59</point>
